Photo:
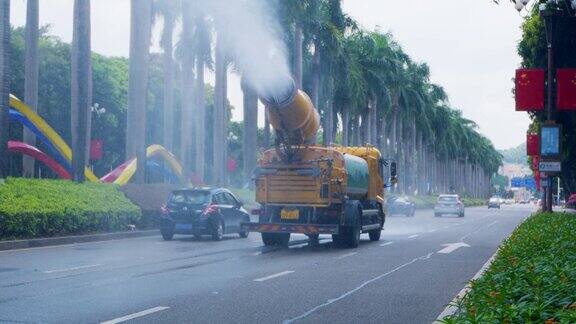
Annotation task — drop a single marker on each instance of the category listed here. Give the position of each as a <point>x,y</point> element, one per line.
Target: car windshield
<point>447,199</point>
<point>195,197</point>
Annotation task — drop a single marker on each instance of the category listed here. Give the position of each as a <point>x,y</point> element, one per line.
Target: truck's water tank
<point>358,182</point>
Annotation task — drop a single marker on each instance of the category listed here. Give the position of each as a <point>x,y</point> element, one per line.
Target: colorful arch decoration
<point>60,158</point>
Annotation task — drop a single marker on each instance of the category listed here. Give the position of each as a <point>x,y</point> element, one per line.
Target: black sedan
<point>200,212</point>
<point>400,205</point>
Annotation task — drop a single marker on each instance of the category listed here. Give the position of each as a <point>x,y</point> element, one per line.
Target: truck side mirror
<point>393,172</point>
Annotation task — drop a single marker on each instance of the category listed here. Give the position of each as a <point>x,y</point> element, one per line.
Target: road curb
<point>51,241</point>
<point>451,308</point>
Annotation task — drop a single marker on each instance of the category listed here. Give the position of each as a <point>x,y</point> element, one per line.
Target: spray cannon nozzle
<point>281,95</point>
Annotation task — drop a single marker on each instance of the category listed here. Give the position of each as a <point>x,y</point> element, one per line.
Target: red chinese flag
<point>566,84</point>
<point>535,163</point>
<point>537,178</point>
<point>532,144</point>
<point>96,148</point>
<point>529,89</point>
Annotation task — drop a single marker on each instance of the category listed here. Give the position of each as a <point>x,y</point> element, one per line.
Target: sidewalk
<point>50,241</point>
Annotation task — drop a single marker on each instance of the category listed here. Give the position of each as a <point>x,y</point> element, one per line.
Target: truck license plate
<point>289,214</point>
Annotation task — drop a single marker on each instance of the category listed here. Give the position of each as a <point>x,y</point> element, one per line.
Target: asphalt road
<point>417,268</point>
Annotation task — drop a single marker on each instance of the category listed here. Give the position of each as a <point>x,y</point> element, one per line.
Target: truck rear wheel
<point>280,239</point>
<point>351,236</point>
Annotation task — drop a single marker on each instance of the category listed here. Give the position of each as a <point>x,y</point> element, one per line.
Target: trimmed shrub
<point>532,279</point>
<point>43,208</point>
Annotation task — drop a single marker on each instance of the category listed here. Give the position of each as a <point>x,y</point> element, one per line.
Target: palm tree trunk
<point>186,147</point>
<point>250,135</point>
<point>267,134</point>
<point>80,84</point>
<point>315,91</point>
<point>220,115</point>
<point>30,78</point>
<point>5,46</point>
<point>297,64</point>
<point>200,116</point>
<point>329,114</point>
<point>140,30</point>
<point>168,67</point>
<point>394,130</point>
<point>383,138</point>
<point>374,121</point>
<point>345,126</point>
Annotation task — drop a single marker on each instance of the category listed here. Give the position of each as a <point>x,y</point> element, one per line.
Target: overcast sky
<point>470,46</point>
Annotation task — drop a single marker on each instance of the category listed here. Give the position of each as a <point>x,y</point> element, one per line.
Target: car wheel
<point>218,230</point>
<point>461,214</point>
<point>280,239</point>
<point>167,234</point>
<point>244,234</point>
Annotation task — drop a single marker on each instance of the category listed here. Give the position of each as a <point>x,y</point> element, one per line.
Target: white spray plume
<point>251,35</point>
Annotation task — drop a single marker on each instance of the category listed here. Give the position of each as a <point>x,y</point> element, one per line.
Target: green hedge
<point>532,279</point>
<point>42,208</point>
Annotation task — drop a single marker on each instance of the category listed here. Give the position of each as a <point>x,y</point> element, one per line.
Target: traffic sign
<point>550,166</point>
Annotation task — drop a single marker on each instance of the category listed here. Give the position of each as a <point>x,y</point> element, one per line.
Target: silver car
<point>449,204</point>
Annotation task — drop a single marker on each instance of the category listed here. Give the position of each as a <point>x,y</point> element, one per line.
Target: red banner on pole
<point>535,163</point>
<point>566,84</point>
<point>537,179</point>
<point>532,144</point>
<point>530,89</point>
<point>96,148</point>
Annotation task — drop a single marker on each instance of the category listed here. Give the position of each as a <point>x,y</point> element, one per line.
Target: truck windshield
<point>194,197</point>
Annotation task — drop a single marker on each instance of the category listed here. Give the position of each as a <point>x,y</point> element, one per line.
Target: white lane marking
<point>387,243</point>
<point>136,315</point>
<point>413,236</point>
<point>432,231</point>
<point>451,247</point>
<point>276,275</point>
<point>297,246</point>
<point>257,253</point>
<point>345,255</point>
<point>491,224</point>
<point>451,308</point>
<point>350,292</point>
<point>72,269</point>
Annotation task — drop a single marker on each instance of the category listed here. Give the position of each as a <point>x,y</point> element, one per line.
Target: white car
<point>449,204</point>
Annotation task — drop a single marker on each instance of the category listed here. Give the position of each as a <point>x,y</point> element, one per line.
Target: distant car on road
<point>494,202</point>
<point>204,211</point>
<point>449,204</point>
<point>400,205</point>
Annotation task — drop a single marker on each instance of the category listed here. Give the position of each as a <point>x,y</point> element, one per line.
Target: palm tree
<point>187,46</point>
<point>4,84</point>
<point>250,134</point>
<point>203,56</point>
<point>31,77</point>
<point>169,9</point>
<point>81,83</point>
<point>220,113</point>
<point>140,29</point>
